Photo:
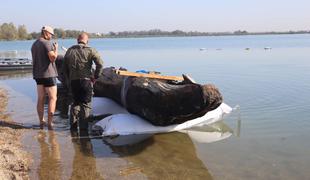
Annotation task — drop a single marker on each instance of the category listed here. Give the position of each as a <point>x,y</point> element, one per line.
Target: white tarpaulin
<point>101,105</point>
<point>123,123</point>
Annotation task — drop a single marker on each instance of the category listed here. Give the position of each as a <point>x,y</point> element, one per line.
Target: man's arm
<point>98,62</point>
<point>52,55</point>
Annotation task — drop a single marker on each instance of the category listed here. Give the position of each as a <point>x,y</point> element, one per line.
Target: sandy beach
<point>14,161</point>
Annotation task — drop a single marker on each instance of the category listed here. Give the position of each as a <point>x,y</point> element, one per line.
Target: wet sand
<point>14,161</point>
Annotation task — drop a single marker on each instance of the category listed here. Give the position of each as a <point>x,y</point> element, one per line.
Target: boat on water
<point>15,64</point>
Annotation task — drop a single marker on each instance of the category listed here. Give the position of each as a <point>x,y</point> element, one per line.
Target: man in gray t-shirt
<point>44,55</point>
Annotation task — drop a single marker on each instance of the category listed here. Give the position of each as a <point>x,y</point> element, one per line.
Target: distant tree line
<point>8,31</point>
<point>160,33</point>
<point>59,33</point>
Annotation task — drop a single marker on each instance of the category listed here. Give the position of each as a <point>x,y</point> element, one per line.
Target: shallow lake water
<point>62,154</point>
<point>269,133</point>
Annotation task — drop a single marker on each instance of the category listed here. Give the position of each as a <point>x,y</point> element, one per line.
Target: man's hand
<point>55,45</point>
<point>52,55</point>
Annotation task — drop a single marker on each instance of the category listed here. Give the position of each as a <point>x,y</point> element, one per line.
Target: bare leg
<point>52,94</point>
<point>40,103</point>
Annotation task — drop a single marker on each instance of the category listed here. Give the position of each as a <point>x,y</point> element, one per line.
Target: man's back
<point>79,59</point>
<point>78,68</point>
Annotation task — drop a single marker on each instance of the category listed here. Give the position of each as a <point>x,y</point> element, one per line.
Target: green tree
<point>177,33</point>
<point>72,33</point>
<point>22,32</point>
<point>8,31</point>
<point>60,33</point>
<point>239,32</point>
<point>35,35</point>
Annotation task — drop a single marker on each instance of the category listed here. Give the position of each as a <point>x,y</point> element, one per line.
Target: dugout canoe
<point>159,101</point>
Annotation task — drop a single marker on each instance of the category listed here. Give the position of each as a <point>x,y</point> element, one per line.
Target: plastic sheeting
<point>103,106</point>
<point>123,123</point>
<point>201,134</point>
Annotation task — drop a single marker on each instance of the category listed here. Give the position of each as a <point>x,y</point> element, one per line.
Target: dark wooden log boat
<point>161,102</point>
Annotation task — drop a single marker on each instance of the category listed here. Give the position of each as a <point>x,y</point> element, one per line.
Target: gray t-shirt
<point>42,66</point>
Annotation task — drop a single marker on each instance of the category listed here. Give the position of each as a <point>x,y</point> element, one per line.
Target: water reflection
<point>50,165</point>
<point>15,74</point>
<point>78,156</point>
<point>170,155</point>
<point>165,156</point>
<point>14,54</point>
<point>84,161</point>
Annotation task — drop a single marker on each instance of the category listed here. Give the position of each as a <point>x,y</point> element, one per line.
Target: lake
<point>269,132</point>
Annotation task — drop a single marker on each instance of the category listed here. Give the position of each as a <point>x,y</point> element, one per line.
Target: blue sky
<point>187,15</point>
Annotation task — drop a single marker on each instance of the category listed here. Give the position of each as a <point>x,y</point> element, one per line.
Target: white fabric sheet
<point>123,123</point>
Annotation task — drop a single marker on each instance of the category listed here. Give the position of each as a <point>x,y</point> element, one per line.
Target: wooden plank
<point>152,75</point>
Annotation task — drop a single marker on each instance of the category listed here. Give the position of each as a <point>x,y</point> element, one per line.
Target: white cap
<point>48,29</point>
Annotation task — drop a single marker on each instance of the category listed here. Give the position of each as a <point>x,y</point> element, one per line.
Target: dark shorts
<point>46,82</point>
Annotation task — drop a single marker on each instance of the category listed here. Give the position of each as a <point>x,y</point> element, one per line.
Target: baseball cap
<point>48,29</point>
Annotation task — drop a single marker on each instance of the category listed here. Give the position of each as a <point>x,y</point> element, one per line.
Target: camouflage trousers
<point>82,91</point>
<point>79,115</point>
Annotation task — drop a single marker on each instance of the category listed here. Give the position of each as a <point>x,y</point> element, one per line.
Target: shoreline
<point>14,160</point>
<point>172,36</point>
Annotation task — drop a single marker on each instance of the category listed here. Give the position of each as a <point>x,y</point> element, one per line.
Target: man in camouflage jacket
<point>78,70</point>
